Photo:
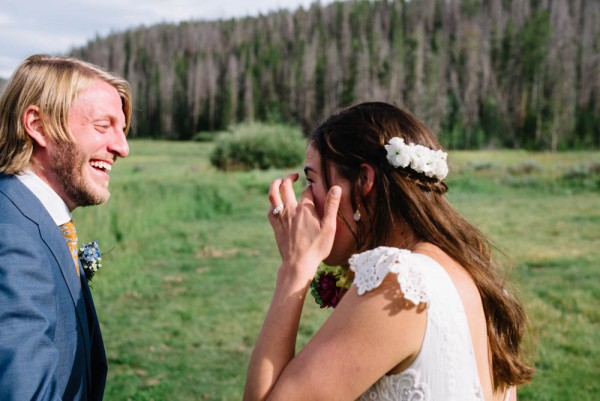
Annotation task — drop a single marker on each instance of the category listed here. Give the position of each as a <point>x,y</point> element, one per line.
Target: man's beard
<point>67,164</point>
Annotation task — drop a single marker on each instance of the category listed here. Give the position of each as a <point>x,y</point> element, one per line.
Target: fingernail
<point>336,192</point>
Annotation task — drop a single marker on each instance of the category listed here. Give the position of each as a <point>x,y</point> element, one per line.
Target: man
<point>63,123</point>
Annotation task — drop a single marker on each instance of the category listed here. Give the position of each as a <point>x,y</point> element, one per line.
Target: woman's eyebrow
<point>308,169</point>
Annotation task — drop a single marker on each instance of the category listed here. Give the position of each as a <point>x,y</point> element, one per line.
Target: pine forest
<point>480,73</point>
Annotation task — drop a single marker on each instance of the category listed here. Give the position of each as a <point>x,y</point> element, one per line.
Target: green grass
<point>189,266</point>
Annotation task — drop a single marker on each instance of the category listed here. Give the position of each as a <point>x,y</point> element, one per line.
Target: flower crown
<point>421,159</point>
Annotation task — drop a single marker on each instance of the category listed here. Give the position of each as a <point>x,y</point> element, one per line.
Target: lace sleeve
<point>371,267</point>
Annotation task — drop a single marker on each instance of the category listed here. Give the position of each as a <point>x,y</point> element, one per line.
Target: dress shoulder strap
<point>371,267</point>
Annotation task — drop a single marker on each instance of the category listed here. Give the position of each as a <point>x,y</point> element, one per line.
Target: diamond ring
<point>278,209</point>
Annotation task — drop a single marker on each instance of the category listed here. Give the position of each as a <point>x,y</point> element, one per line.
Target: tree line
<point>480,73</point>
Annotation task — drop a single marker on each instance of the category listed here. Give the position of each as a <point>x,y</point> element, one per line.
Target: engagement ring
<point>278,209</point>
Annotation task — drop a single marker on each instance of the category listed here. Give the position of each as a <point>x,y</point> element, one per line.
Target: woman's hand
<point>304,238</point>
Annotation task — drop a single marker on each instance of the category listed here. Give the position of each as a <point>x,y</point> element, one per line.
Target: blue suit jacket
<point>50,342</point>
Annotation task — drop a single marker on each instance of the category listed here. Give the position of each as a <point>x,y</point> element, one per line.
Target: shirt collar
<point>53,203</point>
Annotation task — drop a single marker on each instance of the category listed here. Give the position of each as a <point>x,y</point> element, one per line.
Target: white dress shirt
<point>52,202</point>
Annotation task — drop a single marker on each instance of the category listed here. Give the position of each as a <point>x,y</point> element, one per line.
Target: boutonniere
<point>330,284</point>
<point>89,256</point>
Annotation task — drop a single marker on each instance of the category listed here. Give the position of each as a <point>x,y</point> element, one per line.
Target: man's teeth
<point>101,165</point>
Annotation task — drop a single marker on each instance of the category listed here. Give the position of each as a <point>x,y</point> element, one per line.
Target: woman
<point>427,317</point>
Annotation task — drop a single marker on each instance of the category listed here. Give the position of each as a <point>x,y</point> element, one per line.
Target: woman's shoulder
<point>411,269</point>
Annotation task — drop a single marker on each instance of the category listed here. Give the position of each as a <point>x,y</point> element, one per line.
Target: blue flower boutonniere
<point>89,256</point>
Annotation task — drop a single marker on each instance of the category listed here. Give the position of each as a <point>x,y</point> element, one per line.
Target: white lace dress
<point>445,368</point>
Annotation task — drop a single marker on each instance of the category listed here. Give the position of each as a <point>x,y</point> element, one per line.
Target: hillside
<point>481,73</point>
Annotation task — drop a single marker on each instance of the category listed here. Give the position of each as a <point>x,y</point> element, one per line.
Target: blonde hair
<point>357,135</point>
<point>51,83</point>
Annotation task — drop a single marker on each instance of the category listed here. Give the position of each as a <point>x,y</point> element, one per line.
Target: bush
<point>258,146</point>
<point>583,176</point>
<point>483,165</point>
<point>204,136</point>
<point>526,167</point>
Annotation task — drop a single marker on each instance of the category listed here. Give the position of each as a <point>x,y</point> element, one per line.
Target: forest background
<point>481,73</point>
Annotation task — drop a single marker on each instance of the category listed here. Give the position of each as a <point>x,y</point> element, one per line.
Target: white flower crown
<point>421,159</point>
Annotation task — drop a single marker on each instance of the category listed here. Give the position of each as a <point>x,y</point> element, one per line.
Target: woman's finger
<point>332,203</point>
<point>287,191</point>
<point>277,206</point>
<point>274,194</point>
<point>307,196</point>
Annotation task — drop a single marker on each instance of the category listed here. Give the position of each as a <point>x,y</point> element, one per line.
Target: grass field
<point>189,266</point>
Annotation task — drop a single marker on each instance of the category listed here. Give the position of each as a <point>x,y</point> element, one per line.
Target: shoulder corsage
<point>330,284</point>
<point>89,256</point>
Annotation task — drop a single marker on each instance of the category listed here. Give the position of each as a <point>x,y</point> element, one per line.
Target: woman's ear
<point>32,123</point>
<point>367,178</point>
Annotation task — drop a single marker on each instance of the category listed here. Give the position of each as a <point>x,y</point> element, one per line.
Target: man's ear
<point>367,178</point>
<point>32,123</point>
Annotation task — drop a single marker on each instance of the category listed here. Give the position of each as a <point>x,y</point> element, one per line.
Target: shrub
<point>258,146</point>
<point>204,136</point>
<point>526,167</point>
<point>482,165</point>
<point>583,176</point>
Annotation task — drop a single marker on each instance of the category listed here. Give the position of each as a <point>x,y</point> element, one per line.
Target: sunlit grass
<point>190,261</point>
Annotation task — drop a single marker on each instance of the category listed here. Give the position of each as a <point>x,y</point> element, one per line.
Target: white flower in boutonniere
<point>89,256</point>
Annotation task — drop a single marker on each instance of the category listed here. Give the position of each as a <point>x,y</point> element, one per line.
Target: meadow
<point>189,264</point>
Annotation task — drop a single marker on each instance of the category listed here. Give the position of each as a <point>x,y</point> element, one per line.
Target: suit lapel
<point>97,364</point>
<point>33,209</point>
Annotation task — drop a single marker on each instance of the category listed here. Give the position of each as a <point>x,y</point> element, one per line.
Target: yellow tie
<point>68,231</point>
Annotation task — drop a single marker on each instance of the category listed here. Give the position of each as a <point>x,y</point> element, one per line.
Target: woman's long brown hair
<point>357,135</point>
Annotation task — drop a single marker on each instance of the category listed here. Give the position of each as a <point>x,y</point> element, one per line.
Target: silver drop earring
<point>356,216</point>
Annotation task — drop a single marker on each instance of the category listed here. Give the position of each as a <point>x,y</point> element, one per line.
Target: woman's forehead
<point>313,160</point>
<point>314,165</point>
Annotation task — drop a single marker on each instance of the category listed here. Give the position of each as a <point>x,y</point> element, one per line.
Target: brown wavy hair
<point>357,135</point>
<point>52,83</point>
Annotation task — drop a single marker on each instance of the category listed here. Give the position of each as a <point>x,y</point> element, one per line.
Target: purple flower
<point>325,290</point>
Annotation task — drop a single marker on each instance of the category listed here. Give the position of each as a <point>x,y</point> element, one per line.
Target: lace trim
<point>372,266</point>
<point>405,386</point>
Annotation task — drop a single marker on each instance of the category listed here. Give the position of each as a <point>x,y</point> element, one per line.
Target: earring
<point>356,216</point>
